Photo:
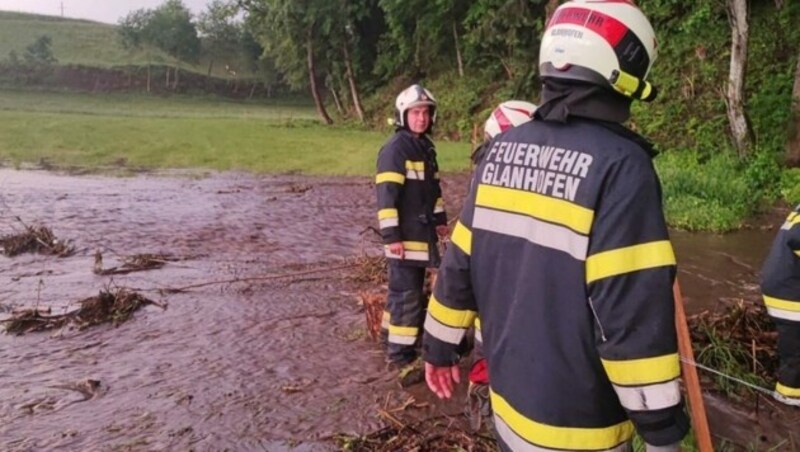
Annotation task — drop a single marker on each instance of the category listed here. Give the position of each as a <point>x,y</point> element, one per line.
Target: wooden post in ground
<point>690,378</point>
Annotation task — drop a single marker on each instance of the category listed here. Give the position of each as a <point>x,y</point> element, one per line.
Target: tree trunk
<point>252,91</point>
<point>312,79</point>
<point>148,76</point>
<point>177,79</point>
<point>210,67</point>
<point>351,80</point>
<point>549,9</point>
<point>458,51</point>
<point>740,126</point>
<point>167,78</point>
<point>332,89</point>
<point>793,145</point>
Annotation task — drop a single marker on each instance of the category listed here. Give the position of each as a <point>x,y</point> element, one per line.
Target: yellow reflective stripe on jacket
<point>791,220</point>
<point>462,238</point>
<point>454,318</point>
<point>390,176</point>
<point>543,207</point>
<point>787,391</point>
<point>533,230</point>
<point>478,323</point>
<point>783,309</point>
<point>629,259</point>
<point>556,437</point>
<point>383,214</point>
<point>415,166</point>
<point>439,207</point>
<point>643,371</point>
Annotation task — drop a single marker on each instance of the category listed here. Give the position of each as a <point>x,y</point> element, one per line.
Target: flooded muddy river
<point>255,365</point>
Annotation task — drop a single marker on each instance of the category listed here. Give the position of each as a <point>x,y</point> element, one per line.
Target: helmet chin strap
<point>632,86</point>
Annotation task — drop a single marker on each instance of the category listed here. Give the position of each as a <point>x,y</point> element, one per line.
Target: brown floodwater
<point>253,365</point>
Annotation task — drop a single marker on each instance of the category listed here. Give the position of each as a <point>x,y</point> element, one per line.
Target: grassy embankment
<point>73,129</point>
<point>87,43</point>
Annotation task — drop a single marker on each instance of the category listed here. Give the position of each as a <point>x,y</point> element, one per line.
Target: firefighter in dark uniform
<point>780,284</point>
<point>563,251</point>
<point>411,216</point>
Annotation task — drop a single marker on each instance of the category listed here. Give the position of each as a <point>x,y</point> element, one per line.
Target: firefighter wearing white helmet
<point>562,250</point>
<point>507,115</point>
<point>411,216</point>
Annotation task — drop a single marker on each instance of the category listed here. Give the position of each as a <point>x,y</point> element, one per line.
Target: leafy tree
<point>40,51</point>
<point>291,33</point>
<point>221,30</point>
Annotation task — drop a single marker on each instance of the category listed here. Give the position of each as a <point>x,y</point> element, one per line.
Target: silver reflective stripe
<point>385,322</point>
<point>787,225</point>
<point>415,175</point>
<point>402,340</point>
<point>535,231</point>
<point>438,209</point>
<point>517,444</point>
<point>389,223</point>
<point>650,397</point>
<point>478,336</point>
<point>409,255</point>
<point>442,332</point>
<point>784,314</point>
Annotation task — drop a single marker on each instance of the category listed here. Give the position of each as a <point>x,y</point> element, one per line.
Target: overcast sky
<point>108,11</point>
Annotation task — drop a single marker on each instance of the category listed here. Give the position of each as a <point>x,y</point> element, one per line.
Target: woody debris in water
<point>133,263</point>
<point>35,239</point>
<point>115,306</point>
<point>740,340</point>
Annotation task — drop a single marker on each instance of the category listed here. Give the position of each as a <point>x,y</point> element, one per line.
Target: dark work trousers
<point>405,306</point>
<point>788,353</point>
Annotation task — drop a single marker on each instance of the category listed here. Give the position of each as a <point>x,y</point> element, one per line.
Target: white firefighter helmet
<point>413,96</point>
<point>507,115</point>
<point>608,43</point>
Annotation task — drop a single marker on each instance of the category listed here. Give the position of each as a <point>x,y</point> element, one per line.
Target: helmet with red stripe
<point>608,43</point>
<point>413,96</point>
<point>507,115</point>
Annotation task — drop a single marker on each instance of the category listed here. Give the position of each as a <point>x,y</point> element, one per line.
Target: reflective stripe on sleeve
<point>783,309</point>
<point>415,170</point>
<point>650,397</point>
<point>389,176</point>
<point>524,434</point>
<point>439,208</point>
<point>629,259</point>
<point>462,238</point>
<point>443,332</point>
<point>644,371</point>
<point>541,207</point>
<point>535,231</point>
<point>454,318</point>
<point>787,391</point>
<point>388,218</point>
<point>403,335</point>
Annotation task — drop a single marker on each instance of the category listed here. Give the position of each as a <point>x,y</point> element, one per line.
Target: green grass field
<point>183,132</point>
<point>86,43</point>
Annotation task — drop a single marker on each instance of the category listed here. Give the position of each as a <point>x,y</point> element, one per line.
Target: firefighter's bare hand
<point>397,249</point>
<point>442,380</point>
<point>442,230</point>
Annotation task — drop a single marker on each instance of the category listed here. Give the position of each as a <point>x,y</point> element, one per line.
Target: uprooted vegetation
<point>132,263</point>
<point>425,435</point>
<point>740,341</point>
<point>109,306</point>
<point>35,239</point>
